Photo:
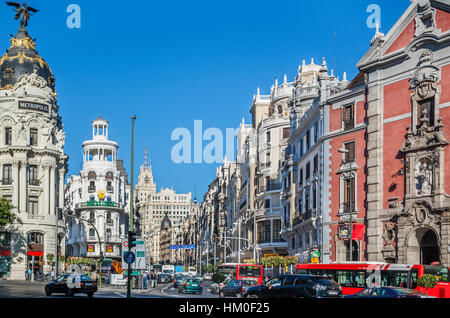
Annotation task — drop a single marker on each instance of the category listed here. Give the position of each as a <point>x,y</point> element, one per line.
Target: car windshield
<point>62,278</point>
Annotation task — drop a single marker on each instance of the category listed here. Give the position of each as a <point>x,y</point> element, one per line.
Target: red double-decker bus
<point>353,277</point>
<point>243,271</point>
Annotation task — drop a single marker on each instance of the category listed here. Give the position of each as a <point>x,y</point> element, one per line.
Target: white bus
<point>192,270</point>
<point>168,269</point>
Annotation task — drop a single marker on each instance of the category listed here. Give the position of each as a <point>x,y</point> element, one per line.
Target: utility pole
<point>56,240</point>
<point>133,118</point>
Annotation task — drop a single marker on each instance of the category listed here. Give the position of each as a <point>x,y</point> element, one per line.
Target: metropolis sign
<point>33,106</point>
<point>101,203</point>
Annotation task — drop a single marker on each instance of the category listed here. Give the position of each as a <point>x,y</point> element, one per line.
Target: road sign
<point>182,247</point>
<point>314,261</point>
<point>139,252</point>
<point>129,257</point>
<point>315,254</point>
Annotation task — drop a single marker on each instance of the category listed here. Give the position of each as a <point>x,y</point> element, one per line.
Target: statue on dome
<point>22,12</point>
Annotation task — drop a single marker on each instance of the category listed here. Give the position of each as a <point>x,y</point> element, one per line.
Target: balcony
<point>349,124</point>
<point>7,181</point>
<point>109,222</point>
<point>91,189</point>
<point>301,218</point>
<point>110,189</point>
<point>34,183</point>
<point>348,207</point>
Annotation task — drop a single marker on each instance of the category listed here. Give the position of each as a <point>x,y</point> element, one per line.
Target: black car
<point>178,279</point>
<point>236,288</point>
<point>72,284</point>
<point>387,292</point>
<point>296,286</point>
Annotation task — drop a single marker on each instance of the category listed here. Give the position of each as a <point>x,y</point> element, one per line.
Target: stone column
<point>61,187</point>
<point>23,186</point>
<point>46,168</point>
<point>15,177</point>
<point>374,169</point>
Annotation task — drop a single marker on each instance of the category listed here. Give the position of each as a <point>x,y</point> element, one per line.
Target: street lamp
<point>133,118</point>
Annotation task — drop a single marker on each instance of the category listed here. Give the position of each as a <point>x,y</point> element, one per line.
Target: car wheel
<point>90,295</point>
<point>252,296</point>
<point>238,295</point>
<point>48,291</point>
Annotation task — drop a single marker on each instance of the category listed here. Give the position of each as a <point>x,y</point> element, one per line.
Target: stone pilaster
<point>374,170</point>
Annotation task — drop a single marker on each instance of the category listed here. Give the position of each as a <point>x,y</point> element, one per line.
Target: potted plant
<point>427,281</point>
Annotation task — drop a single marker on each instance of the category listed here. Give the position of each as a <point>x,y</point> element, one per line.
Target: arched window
<point>35,238</point>
<point>92,175</point>
<point>92,216</point>
<point>91,233</point>
<point>109,176</point>
<point>108,216</point>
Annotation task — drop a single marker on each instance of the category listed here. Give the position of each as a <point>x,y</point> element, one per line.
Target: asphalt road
<point>26,289</point>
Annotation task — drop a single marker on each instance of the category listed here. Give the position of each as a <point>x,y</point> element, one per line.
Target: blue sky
<point>171,63</point>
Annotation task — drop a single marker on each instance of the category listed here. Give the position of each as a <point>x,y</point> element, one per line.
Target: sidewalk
<point>156,290</point>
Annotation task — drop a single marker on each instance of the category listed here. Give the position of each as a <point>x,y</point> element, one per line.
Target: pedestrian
<point>52,275</point>
<point>26,274</point>
<point>30,277</point>
<point>94,275</point>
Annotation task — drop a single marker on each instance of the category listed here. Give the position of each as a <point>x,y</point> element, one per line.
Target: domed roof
<point>165,224</point>
<point>22,58</point>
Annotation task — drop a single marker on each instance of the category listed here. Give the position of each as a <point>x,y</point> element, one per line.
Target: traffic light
<point>131,239</point>
<point>60,213</point>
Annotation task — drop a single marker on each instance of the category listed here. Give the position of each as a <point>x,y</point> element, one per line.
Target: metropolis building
<point>98,199</point>
<point>32,160</point>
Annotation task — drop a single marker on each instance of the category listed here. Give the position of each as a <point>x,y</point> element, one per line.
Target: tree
<point>218,278</point>
<point>427,281</point>
<point>7,217</point>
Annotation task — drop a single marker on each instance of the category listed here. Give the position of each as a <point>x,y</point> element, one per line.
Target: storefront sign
<point>101,203</point>
<point>344,232</point>
<point>33,106</point>
<point>35,253</point>
<point>91,248</point>
<point>270,255</point>
<point>109,249</point>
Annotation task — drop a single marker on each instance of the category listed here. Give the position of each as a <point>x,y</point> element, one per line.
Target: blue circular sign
<point>129,257</point>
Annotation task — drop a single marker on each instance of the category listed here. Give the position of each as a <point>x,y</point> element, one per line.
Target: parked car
<point>215,287</point>
<point>388,292</point>
<point>191,285</point>
<point>83,285</point>
<point>236,288</point>
<point>296,286</point>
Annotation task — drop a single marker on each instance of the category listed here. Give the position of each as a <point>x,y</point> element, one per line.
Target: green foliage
<point>279,261</point>
<point>7,217</point>
<point>427,281</point>
<point>218,278</point>
<point>50,257</point>
<point>80,261</point>
<point>210,268</point>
